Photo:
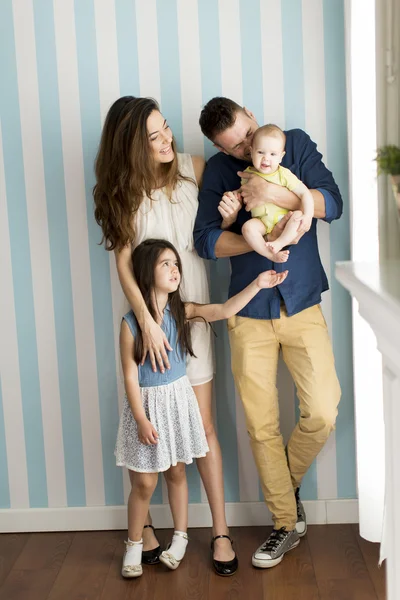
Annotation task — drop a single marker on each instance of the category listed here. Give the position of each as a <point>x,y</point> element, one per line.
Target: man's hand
<point>255,192</point>
<point>279,227</point>
<point>229,207</point>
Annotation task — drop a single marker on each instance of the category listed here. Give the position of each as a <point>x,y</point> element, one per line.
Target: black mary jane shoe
<point>151,557</point>
<point>224,568</point>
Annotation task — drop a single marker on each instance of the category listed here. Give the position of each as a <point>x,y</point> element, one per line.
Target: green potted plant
<point>388,159</point>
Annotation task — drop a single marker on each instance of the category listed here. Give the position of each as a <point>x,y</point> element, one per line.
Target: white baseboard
<point>238,514</point>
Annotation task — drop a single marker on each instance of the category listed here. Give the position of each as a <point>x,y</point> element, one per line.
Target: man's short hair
<point>218,115</point>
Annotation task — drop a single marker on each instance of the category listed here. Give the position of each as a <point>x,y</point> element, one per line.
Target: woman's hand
<point>155,343</point>
<point>147,433</point>
<point>270,279</point>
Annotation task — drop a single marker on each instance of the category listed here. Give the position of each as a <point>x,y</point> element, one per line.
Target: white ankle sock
<point>178,545</point>
<point>133,555</point>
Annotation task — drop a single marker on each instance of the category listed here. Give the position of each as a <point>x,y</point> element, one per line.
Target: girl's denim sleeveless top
<point>177,360</point>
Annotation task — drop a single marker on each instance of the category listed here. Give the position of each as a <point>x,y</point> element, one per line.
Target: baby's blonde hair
<point>271,131</point>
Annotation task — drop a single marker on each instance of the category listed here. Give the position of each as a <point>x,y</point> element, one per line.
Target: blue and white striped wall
<point>62,64</point>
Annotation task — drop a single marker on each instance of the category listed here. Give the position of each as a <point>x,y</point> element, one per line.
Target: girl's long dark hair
<point>144,260</point>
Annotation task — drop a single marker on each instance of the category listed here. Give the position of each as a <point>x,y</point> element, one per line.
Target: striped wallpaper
<point>62,64</point>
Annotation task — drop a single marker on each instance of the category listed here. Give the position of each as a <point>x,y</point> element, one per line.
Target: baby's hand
<point>146,432</point>
<point>270,279</point>
<point>305,224</point>
<point>229,206</point>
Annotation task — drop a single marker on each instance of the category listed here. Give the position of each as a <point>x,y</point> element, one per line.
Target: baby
<point>267,152</point>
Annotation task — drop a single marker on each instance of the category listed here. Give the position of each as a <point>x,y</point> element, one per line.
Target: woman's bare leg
<point>149,539</point>
<point>210,469</point>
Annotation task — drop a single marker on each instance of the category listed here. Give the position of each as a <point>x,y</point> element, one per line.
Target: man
<point>287,318</point>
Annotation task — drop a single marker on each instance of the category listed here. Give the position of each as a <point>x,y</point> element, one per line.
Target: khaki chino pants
<point>307,352</point>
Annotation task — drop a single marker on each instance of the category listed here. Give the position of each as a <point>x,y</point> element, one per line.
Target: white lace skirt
<point>175,414</point>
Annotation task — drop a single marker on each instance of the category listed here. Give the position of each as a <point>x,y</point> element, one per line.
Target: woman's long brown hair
<point>144,260</point>
<point>126,171</point>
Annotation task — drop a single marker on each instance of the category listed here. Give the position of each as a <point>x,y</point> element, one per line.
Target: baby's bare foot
<point>278,257</point>
<point>274,247</point>
<point>281,257</point>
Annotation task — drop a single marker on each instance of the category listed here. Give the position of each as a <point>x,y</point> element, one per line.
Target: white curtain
<point>388,114</point>
<point>362,97</point>
<point>388,132</point>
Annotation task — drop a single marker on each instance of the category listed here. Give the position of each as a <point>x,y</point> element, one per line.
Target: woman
<point>146,190</point>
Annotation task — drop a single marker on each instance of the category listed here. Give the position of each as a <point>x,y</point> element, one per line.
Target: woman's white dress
<point>173,220</point>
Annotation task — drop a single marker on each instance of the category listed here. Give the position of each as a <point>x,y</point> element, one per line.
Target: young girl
<point>161,428</point>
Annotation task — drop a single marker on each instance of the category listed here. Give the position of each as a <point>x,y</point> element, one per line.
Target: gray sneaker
<point>301,525</point>
<point>275,547</point>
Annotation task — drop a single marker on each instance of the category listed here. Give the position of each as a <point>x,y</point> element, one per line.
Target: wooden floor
<point>331,563</point>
